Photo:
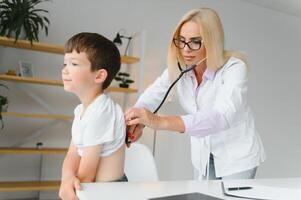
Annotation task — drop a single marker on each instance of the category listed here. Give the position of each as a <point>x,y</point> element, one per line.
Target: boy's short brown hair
<point>101,52</point>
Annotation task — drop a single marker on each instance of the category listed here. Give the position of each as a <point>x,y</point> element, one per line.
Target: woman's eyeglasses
<point>193,45</point>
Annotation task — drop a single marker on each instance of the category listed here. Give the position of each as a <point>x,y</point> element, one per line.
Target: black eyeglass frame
<point>175,40</point>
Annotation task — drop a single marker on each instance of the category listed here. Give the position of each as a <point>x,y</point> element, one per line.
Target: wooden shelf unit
<point>55,83</point>
<point>129,59</point>
<point>124,90</point>
<point>30,80</point>
<point>38,116</point>
<point>50,48</point>
<point>28,150</point>
<point>14,186</point>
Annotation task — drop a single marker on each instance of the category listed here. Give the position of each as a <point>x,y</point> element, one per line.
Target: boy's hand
<point>68,187</point>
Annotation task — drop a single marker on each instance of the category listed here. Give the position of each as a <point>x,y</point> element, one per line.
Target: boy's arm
<point>89,164</point>
<point>69,180</point>
<point>71,162</point>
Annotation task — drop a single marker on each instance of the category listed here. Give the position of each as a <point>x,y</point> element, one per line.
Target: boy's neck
<point>87,98</point>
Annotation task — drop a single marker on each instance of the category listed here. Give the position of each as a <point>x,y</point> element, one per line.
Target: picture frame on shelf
<point>25,69</point>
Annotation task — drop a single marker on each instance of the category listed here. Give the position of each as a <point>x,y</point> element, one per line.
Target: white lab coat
<point>236,147</point>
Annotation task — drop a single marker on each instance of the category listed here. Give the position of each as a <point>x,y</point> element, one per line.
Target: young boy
<point>96,152</point>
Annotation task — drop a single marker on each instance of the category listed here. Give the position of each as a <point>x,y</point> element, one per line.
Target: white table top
<point>146,190</point>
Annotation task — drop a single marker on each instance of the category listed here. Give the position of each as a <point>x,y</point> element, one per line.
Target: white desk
<point>146,190</point>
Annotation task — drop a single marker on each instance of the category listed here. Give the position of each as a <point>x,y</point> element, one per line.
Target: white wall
<point>271,39</point>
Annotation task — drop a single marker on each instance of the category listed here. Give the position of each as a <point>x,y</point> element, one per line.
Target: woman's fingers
<point>140,116</point>
<point>130,136</point>
<point>134,121</point>
<point>136,134</point>
<point>131,111</point>
<point>131,128</point>
<point>131,114</point>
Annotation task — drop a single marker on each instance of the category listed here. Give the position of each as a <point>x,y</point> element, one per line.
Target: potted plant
<point>3,105</point>
<point>18,16</point>
<point>122,77</point>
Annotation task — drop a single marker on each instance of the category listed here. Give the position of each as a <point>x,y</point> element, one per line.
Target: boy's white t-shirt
<point>102,124</point>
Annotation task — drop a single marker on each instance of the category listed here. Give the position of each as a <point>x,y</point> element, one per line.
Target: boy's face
<point>76,74</point>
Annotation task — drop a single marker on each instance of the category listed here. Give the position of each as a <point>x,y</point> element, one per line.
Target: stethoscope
<point>181,74</point>
<point>171,86</point>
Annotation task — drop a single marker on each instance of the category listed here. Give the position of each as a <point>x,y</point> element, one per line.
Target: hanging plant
<point>18,16</point>
<point>3,103</point>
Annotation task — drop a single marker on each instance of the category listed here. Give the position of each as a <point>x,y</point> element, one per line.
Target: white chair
<point>140,164</point>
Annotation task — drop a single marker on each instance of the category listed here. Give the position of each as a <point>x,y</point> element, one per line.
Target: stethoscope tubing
<point>169,89</point>
<point>181,74</point>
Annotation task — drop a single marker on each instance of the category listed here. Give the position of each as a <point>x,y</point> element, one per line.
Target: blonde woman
<point>224,141</point>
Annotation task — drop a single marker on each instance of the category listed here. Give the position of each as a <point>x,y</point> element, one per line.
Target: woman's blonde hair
<point>213,38</point>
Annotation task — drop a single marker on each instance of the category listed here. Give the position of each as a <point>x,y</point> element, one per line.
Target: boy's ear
<point>101,76</point>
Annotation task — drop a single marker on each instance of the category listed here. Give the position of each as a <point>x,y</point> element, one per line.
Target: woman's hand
<point>134,133</point>
<point>135,116</point>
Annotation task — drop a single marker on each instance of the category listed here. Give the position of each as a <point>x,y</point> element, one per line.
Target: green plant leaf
<point>4,86</point>
<point>3,100</point>
<point>16,15</point>
<point>2,124</point>
<point>46,30</point>
<point>45,19</point>
<point>123,74</point>
<point>118,78</point>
